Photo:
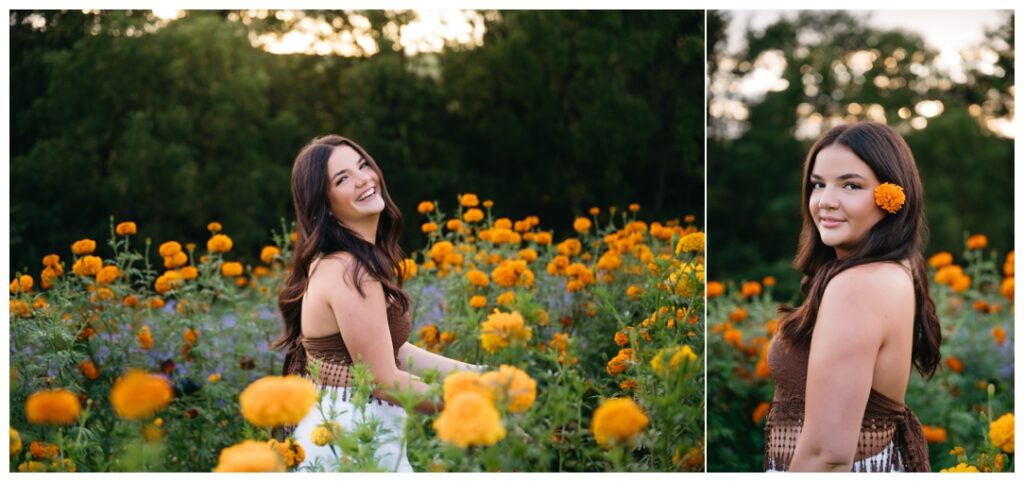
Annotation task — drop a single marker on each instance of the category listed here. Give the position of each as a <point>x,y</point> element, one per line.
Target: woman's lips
<point>829,223</point>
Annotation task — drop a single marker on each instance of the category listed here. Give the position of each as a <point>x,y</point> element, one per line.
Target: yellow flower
<point>527,254</point>
<point>1000,433</point>
<point>289,450</point>
<point>15,442</point>
<point>512,272</point>
<point>408,269</point>
<point>323,434</point>
<point>170,248</point>
<point>961,467</point>
<point>138,395</point>
<point>87,266</point>
<point>500,329</point>
<point>477,278</point>
<point>977,241</point>
<point>470,419</point>
<point>219,243</point>
<point>679,354</point>
<point>478,301</point>
<point>269,254</point>
<point>249,456</point>
<point>83,246</point>
<point>231,268</point>
<point>464,381</point>
<point>581,225</point>
<point>126,228</point>
<point>616,421</point>
<point>107,274</point>
<point>469,200</point>
<point>473,215</point>
<point>213,378</point>
<point>890,197</point>
<point>425,207</point>
<point>274,401</point>
<point>52,407</point>
<point>32,466</point>
<point>167,281</point>
<point>513,386</point>
<point>691,243</point>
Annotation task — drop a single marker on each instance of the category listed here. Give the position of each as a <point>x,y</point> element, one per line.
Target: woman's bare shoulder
<point>874,283</point>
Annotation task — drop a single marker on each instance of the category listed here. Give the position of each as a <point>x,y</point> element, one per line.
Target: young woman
<point>842,360</point>
<point>343,302</point>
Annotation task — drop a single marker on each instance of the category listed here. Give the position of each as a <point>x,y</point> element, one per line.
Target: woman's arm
<point>414,359</point>
<point>362,322</point>
<point>850,329</point>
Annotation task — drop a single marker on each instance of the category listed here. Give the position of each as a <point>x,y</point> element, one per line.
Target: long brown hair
<point>319,233</point>
<point>896,237</point>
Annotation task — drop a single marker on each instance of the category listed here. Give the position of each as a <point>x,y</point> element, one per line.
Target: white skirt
<point>866,465</point>
<point>391,452</point>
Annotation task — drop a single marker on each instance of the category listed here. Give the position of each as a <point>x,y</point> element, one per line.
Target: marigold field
<point>966,408</point>
<point>139,355</point>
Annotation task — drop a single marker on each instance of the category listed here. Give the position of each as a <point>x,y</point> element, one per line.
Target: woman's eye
<point>851,186</point>
<point>341,180</point>
<point>364,164</point>
<point>817,185</point>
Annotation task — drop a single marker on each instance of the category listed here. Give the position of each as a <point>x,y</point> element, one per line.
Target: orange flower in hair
<point>890,197</point>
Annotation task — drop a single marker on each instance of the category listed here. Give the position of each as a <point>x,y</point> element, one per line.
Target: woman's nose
<point>827,198</point>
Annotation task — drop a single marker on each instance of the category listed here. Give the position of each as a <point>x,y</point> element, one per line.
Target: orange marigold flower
<point>1008,265</point>
<point>581,225</point>
<point>51,260</point>
<point>506,299</point>
<point>469,200</point>
<point>477,278</point>
<point>178,259</point>
<point>21,284</point>
<point>170,248</point>
<point>634,292</point>
<point>429,227</point>
<point>1006,288</point>
<point>768,280</point>
<point>760,412</point>
<point>616,421</point>
<point>478,301</point>
<point>594,211</point>
<point>511,386</point>
<point>934,435</point>
<point>107,274</point>
<point>961,284</point>
<point>470,419</point>
<point>715,289</point>
<point>737,315</point>
<point>274,401</point>
<point>214,227</point>
<point>733,337</point>
<point>88,369</point>
<point>940,259</point>
<point>126,228</point>
<point>145,337</point>
<point>155,302</point>
<point>52,407</point>
<point>628,385</point>
<point>249,456</point>
<point>473,215</point>
<point>425,207</point>
<point>269,254</point>
<point>87,266</point>
<point>750,289</point>
<point>691,243</point>
<point>453,225</point>
<point>620,362</point>
<point>890,197</point>
<point>621,338</point>
<point>501,329</point>
<point>948,274</point>
<point>1000,433</point>
<point>955,364</point>
<point>999,334</point>
<point>231,268</point>
<point>634,207</point>
<point>83,247</point>
<point>219,243</point>
<point>977,241</point>
<point>189,272</point>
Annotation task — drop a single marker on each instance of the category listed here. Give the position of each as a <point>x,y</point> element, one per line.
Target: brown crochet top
<point>332,355</point>
<point>885,421</point>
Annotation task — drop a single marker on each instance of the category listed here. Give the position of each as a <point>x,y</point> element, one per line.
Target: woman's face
<point>353,187</point>
<point>842,200</point>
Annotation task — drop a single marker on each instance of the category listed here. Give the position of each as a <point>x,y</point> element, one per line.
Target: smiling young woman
<point>842,360</point>
<point>343,298</point>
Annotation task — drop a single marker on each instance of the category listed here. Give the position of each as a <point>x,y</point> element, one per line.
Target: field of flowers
<point>145,356</point>
<point>966,408</point>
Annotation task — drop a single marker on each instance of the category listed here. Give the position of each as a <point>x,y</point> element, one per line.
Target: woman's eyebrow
<point>844,177</point>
